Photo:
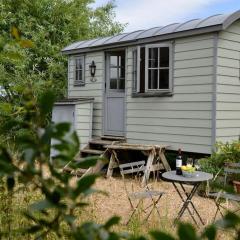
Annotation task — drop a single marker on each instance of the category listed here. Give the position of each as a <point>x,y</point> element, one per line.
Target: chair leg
<point>134,210</point>
<point>218,210</point>
<point>154,204</point>
<point>157,207</point>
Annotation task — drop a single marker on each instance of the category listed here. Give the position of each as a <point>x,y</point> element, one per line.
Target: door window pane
<point>153,79</point>
<point>122,72</point>
<point>113,73</point>
<point>164,79</point>
<point>121,83</point>
<point>117,71</point>
<point>113,83</point>
<point>113,61</point>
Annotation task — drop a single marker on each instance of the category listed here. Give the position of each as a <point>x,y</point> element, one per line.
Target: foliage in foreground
<point>55,213</point>
<point>31,168</point>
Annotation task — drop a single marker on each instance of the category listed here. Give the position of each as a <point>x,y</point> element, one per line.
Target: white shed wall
<point>83,122</point>
<point>183,120</point>
<point>91,89</point>
<point>228,84</point>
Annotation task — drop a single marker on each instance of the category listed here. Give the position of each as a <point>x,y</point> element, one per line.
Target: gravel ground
<point>116,203</point>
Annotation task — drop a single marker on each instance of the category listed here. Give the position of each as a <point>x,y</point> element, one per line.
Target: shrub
<point>225,152</point>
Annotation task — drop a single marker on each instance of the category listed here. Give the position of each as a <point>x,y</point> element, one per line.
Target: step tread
<point>100,142</point>
<point>113,138</point>
<point>92,151</point>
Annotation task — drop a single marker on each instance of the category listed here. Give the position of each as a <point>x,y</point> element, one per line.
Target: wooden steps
<point>100,142</point>
<point>95,147</point>
<point>98,145</point>
<point>90,151</point>
<point>113,138</point>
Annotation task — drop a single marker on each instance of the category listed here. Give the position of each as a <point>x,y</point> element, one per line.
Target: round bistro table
<point>186,197</point>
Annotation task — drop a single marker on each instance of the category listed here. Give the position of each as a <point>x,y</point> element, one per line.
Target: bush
<point>225,153</point>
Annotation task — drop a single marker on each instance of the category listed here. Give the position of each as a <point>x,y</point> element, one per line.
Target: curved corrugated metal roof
<point>190,27</point>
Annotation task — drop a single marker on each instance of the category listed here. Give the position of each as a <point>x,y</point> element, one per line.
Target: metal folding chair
<point>135,168</point>
<point>230,169</point>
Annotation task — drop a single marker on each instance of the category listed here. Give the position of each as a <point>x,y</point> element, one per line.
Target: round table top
<point>199,177</point>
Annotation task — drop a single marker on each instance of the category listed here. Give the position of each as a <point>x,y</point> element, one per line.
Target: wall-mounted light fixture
<point>92,67</point>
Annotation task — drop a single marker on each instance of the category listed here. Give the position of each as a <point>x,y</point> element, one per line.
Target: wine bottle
<point>179,162</point>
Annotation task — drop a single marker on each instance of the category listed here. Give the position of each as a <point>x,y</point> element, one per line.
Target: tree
<point>48,26</point>
<point>51,25</point>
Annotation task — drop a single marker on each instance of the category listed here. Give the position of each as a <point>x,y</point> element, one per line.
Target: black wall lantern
<point>92,68</point>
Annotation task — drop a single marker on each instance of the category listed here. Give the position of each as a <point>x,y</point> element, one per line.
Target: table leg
<point>192,193</point>
<point>148,168</point>
<point>111,165</point>
<point>183,200</point>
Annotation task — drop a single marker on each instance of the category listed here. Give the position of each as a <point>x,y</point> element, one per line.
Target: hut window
<point>158,67</point>
<point>152,68</point>
<point>79,71</point>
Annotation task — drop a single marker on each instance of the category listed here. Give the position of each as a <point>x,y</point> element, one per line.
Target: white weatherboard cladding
<point>83,122</point>
<point>183,120</point>
<point>228,84</point>
<point>79,115</point>
<point>91,89</point>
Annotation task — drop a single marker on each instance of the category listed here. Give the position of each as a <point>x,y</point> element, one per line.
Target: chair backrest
<point>133,167</point>
<point>231,168</point>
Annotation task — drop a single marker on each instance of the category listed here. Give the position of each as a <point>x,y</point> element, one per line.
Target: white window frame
<point>137,49</point>
<point>135,71</point>
<point>81,82</point>
<point>169,45</point>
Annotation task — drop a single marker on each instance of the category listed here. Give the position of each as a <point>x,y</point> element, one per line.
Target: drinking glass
<point>196,164</point>
<point>190,161</point>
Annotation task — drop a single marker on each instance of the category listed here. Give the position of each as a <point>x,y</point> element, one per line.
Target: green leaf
<point>157,235</point>
<point>10,183</point>
<point>41,205</point>
<point>186,231</point>
<point>84,184</point>
<point>69,219</point>
<point>33,229</point>
<point>15,33</point>
<point>112,221</point>
<point>26,43</point>
<point>210,232</point>
<point>230,220</point>
<point>46,102</point>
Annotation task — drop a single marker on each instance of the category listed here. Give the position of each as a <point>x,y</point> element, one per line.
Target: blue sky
<point>142,14</point>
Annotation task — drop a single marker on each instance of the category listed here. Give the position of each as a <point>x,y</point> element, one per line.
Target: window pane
<point>164,79</point>
<point>142,70</point>
<point>113,73</point>
<point>78,63</point>
<point>113,83</point>
<point>152,78</point>
<point>113,61</point>
<point>121,83</point>
<point>80,75</point>
<point>153,57</point>
<point>76,75</point>
<point>164,57</point>
<point>122,72</point>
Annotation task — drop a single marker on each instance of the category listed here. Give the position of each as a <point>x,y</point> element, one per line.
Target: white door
<point>115,94</point>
